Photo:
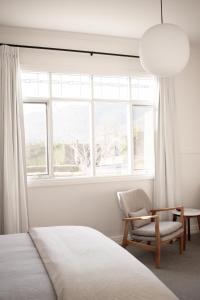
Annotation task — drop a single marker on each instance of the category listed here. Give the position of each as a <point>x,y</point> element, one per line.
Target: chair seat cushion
<point>165,238</point>
<point>166,228</point>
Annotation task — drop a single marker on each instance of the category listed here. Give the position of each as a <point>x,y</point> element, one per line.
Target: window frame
<point>132,174</point>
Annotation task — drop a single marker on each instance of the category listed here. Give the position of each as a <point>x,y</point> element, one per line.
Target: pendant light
<point>164,49</point>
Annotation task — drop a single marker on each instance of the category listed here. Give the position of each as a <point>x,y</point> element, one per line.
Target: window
<point>71,138</point>
<point>35,84</point>
<point>84,125</point>
<point>36,138</point>
<point>111,145</point>
<point>71,86</point>
<point>107,87</point>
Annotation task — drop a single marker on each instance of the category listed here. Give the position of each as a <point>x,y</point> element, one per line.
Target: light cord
<point>161,11</point>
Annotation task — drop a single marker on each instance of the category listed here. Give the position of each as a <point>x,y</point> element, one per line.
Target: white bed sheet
<point>83,264</point>
<point>22,273</point>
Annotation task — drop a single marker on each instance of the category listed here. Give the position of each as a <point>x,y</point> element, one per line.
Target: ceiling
<point>124,18</point>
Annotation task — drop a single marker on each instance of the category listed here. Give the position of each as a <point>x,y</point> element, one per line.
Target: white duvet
<point>83,264</point>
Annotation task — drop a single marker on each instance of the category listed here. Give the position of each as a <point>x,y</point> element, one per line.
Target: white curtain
<point>166,184</point>
<point>13,189</point>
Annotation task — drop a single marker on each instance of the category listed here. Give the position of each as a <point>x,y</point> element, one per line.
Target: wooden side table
<point>188,214</point>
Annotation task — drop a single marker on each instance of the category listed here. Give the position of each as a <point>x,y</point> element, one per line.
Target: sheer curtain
<point>166,184</point>
<point>13,189</point>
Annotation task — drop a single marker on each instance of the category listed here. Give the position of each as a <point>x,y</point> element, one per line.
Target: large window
<point>84,125</point>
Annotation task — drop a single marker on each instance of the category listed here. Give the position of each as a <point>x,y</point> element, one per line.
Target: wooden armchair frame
<point>158,242</point>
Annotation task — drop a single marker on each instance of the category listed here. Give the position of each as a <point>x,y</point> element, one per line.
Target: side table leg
<point>189,237</point>
<point>198,218</point>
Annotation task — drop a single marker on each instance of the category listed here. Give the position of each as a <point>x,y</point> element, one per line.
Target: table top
<point>188,212</point>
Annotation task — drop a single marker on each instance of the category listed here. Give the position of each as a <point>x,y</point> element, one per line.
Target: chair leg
<point>157,255</point>
<point>181,244</point>
<point>125,236</point>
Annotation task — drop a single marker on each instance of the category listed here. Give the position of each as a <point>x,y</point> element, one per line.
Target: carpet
<point>181,273</point>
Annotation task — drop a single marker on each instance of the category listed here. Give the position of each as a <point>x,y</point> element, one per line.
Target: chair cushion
<point>166,228</point>
<point>168,237</point>
<point>139,213</point>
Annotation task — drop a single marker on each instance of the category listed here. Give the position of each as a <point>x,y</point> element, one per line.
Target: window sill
<point>65,181</point>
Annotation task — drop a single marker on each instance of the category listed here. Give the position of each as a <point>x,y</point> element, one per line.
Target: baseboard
<point>116,238</point>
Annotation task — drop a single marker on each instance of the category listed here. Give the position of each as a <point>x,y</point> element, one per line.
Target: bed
<point>73,263</point>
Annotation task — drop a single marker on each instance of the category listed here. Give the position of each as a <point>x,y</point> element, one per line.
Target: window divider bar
<point>66,99</point>
<point>50,130</point>
<point>107,100</point>
<point>130,132</point>
<point>35,100</point>
<point>92,134</point>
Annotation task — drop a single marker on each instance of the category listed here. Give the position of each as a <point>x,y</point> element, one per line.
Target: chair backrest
<point>133,200</point>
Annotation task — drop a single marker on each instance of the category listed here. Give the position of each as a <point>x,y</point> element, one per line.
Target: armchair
<point>142,225</point>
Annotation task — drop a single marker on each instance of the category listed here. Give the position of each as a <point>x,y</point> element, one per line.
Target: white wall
<point>188,114</point>
<point>95,204</point>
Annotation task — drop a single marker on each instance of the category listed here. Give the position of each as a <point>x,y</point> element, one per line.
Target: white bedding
<point>83,264</point>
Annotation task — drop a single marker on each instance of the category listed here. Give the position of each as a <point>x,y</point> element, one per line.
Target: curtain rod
<point>70,50</point>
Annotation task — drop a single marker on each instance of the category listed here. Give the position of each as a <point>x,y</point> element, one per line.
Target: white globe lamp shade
<point>164,50</point>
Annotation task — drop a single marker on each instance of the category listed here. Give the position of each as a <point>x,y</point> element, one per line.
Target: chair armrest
<point>140,218</point>
<point>166,209</point>
<point>157,227</point>
<point>179,208</point>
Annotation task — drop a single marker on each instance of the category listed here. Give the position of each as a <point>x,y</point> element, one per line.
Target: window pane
<point>143,138</point>
<point>107,87</point>
<point>111,138</point>
<point>71,86</point>
<point>35,84</point>
<point>71,138</point>
<point>142,88</point>
<point>36,138</point>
